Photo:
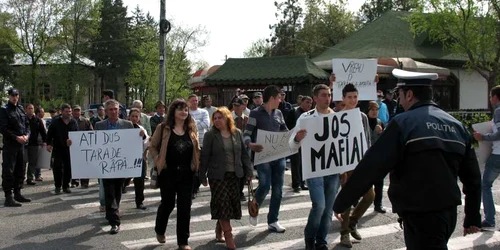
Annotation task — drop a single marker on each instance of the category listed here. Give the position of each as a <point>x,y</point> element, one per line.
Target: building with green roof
<point>296,74</point>
<point>390,40</point>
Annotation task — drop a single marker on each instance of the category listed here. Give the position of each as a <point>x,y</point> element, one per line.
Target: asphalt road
<point>72,221</point>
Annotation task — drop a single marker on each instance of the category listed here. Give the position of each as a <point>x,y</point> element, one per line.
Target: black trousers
<point>296,165</point>
<point>61,168</point>
<point>13,169</point>
<point>429,230</point>
<point>139,185</point>
<point>113,196</point>
<point>379,191</point>
<point>175,183</point>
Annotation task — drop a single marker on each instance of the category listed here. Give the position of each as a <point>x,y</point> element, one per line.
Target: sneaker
<point>276,227</point>
<point>345,240</point>
<point>57,191</point>
<point>39,178</point>
<point>354,232</point>
<point>67,190</point>
<point>253,220</point>
<point>486,226</point>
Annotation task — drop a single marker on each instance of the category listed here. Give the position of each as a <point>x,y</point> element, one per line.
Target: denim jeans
<point>491,172</point>
<point>271,174</point>
<point>322,191</point>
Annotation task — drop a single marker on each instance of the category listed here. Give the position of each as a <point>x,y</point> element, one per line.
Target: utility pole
<point>164,29</point>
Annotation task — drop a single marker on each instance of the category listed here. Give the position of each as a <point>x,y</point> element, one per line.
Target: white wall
<point>473,89</point>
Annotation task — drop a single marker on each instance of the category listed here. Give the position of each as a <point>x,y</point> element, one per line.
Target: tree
<point>6,53</point>
<point>112,48</point>
<point>324,26</point>
<point>372,9</point>
<point>309,32</point>
<point>259,48</point>
<point>181,41</point>
<point>78,25</point>
<point>36,22</point>
<point>466,28</point>
<point>143,74</point>
<point>285,31</point>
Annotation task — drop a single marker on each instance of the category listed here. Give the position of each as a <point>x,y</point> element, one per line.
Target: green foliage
<point>308,31</point>
<point>36,22</point>
<point>372,9</point>
<point>112,50</point>
<point>259,48</point>
<point>51,103</point>
<point>467,119</point>
<point>467,28</point>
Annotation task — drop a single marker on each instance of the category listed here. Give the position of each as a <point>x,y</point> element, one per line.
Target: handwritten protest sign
<point>275,146</point>
<point>360,72</point>
<point>106,154</point>
<point>334,144</point>
<point>485,147</point>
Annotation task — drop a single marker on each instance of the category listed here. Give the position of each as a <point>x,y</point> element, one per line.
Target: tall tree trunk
<point>34,93</point>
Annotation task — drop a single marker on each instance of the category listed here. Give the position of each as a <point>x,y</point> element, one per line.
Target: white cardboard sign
<point>485,147</point>
<point>334,144</point>
<point>275,146</point>
<point>106,154</point>
<point>360,72</point>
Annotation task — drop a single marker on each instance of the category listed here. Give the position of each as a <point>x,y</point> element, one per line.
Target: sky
<point>232,24</point>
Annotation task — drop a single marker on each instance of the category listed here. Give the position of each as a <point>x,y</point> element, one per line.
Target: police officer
<point>14,126</point>
<point>424,149</point>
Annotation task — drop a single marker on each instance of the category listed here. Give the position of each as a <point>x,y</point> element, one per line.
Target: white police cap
<point>410,79</point>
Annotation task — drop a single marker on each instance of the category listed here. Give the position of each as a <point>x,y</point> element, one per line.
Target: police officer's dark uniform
<point>13,123</point>
<point>424,149</point>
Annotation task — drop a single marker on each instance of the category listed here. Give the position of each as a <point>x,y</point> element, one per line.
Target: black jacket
<point>13,123</point>
<point>58,133</point>
<point>37,128</point>
<point>425,149</point>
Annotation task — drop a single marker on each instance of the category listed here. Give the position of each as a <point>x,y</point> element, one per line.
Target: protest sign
<point>106,154</point>
<point>275,146</point>
<point>485,147</point>
<point>360,72</point>
<point>44,157</point>
<point>334,144</point>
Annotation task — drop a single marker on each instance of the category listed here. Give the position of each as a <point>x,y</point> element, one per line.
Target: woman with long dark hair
<point>226,160</point>
<point>175,148</point>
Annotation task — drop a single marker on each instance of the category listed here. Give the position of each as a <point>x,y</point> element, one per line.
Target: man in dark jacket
<point>14,126</point>
<point>38,137</point>
<point>425,149</point>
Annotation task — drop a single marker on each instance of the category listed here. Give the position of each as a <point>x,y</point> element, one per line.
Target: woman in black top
<point>176,151</point>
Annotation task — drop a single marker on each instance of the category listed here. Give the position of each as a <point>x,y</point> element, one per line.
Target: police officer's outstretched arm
<point>379,160</point>
<point>470,176</point>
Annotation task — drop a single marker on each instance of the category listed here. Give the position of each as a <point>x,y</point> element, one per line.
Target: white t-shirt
<point>202,122</point>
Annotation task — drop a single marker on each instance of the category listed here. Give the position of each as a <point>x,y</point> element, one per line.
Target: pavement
<point>73,221</point>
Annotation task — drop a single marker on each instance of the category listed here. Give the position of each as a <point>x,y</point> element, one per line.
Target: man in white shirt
<point>245,99</point>
<point>322,190</point>
<point>208,106</point>
<point>202,123</point>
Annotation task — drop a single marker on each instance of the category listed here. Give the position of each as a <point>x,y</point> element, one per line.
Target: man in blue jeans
<point>492,167</point>
<point>268,117</point>
<point>322,190</point>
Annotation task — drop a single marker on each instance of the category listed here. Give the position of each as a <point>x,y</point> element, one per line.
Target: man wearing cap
<point>240,121</point>
<point>83,125</point>
<point>257,100</point>
<point>158,117</point>
<point>425,150</point>
<point>245,99</point>
<point>14,126</point>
